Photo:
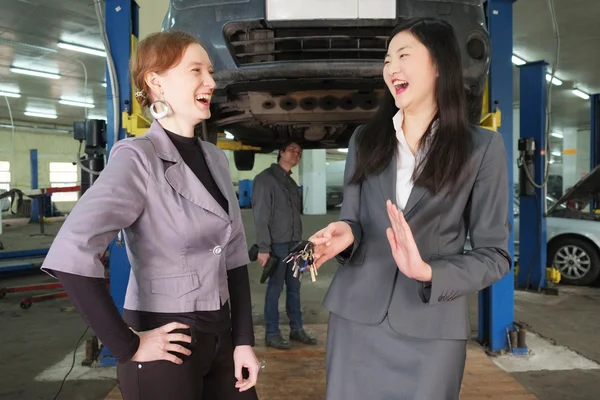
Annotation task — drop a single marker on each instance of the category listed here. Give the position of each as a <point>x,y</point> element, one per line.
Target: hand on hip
<point>157,343</point>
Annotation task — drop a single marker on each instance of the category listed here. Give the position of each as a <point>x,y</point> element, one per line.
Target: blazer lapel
<point>387,180</point>
<point>416,194</point>
<point>180,176</point>
<point>183,180</point>
<point>220,176</point>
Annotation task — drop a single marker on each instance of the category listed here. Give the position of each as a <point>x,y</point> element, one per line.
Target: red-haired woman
<point>186,330</point>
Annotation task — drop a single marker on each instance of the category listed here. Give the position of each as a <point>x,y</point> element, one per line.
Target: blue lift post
<point>121,24</point>
<point>33,162</point>
<point>595,139</point>
<point>496,303</point>
<point>532,235</point>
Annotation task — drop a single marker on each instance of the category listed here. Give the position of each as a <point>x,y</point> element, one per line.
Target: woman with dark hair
<point>418,178</point>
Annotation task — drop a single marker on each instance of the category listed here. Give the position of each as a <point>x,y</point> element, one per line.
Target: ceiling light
<point>229,136</point>
<point>581,94</point>
<point>558,135</point>
<point>556,153</point>
<point>41,115</point>
<point>104,84</point>
<point>76,103</point>
<point>556,81</point>
<point>342,150</point>
<point>34,73</point>
<point>518,61</point>
<point>10,94</point>
<point>81,49</point>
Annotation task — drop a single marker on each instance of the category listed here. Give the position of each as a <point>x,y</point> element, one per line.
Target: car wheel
<point>577,260</point>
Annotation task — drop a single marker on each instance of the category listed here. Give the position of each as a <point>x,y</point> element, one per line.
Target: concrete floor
<point>33,341</point>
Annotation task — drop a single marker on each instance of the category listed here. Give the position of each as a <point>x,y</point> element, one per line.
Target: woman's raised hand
<point>404,248</point>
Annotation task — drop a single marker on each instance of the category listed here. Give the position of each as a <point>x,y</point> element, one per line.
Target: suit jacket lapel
<point>416,194</point>
<point>221,177</point>
<point>180,176</point>
<point>387,181</point>
<point>182,179</point>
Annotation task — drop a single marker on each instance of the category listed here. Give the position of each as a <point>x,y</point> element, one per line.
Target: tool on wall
<point>526,166</point>
<point>93,131</point>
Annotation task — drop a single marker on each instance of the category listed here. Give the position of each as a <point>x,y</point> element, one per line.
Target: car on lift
<point>311,71</point>
<point>572,234</point>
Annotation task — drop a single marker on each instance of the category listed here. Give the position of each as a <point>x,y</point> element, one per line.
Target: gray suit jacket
<point>180,242</point>
<point>368,285</point>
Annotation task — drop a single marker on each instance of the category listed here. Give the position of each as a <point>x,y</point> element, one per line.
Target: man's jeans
<point>283,274</point>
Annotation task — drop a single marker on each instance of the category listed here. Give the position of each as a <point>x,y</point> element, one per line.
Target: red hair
<point>157,53</point>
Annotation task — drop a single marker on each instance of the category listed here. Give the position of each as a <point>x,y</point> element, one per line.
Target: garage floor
<point>37,344</point>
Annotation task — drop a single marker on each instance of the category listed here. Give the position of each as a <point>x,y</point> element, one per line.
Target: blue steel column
<point>33,162</point>
<point>595,138</point>
<point>496,303</point>
<point>121,23</point>
<point>532,225</point>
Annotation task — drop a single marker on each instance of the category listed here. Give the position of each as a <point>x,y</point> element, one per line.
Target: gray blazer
<point>179,240</point>
<point>368,285</point>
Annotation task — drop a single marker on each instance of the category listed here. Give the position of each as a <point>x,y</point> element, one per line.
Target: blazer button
<point>217,250</point>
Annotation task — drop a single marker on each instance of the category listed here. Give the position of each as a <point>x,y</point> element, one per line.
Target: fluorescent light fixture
<point>342,150</point>
<point>518,61</point>
<point>97,117</point>
<point>557,153</point>
<point>555,81</point>
<point>581,94</point>
<point>10,94</point>
<point>558,135</point>
<point>76,103</point>
<point>41,115</point>
<point>34,73</point>
<point>82,49</point>
<point>229,136</point>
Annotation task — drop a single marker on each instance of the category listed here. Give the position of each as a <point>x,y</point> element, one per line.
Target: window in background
<point>63,174</point>
<point>5,175</point>
<point>4,186</point>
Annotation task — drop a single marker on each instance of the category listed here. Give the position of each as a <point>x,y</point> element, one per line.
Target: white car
<point>572,236</point>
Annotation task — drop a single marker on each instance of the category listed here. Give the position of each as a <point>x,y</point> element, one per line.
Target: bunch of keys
<point>302,255</point>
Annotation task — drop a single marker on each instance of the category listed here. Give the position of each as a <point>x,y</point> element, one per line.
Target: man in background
<point>276,205</point>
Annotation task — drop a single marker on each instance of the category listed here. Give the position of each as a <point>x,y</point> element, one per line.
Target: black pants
<point>207,374</point>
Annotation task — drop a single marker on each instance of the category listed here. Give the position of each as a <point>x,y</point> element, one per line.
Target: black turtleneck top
<point>93,301</point>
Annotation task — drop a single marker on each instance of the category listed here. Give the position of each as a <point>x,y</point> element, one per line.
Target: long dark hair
<point>451,146</point>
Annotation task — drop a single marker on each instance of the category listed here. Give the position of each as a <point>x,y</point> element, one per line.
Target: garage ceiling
<point>30,32</point>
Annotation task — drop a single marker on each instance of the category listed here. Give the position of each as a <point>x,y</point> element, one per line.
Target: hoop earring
<point>163,113</point>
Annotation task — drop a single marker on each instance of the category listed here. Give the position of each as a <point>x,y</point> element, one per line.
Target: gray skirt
<point>372,362</point>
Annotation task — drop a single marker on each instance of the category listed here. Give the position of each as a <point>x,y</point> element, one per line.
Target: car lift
<point>496,303</point>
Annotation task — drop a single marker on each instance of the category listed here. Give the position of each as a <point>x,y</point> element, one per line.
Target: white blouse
<point>405,165</point>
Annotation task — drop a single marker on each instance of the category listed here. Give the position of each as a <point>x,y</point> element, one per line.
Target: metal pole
<point>496,303</point>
